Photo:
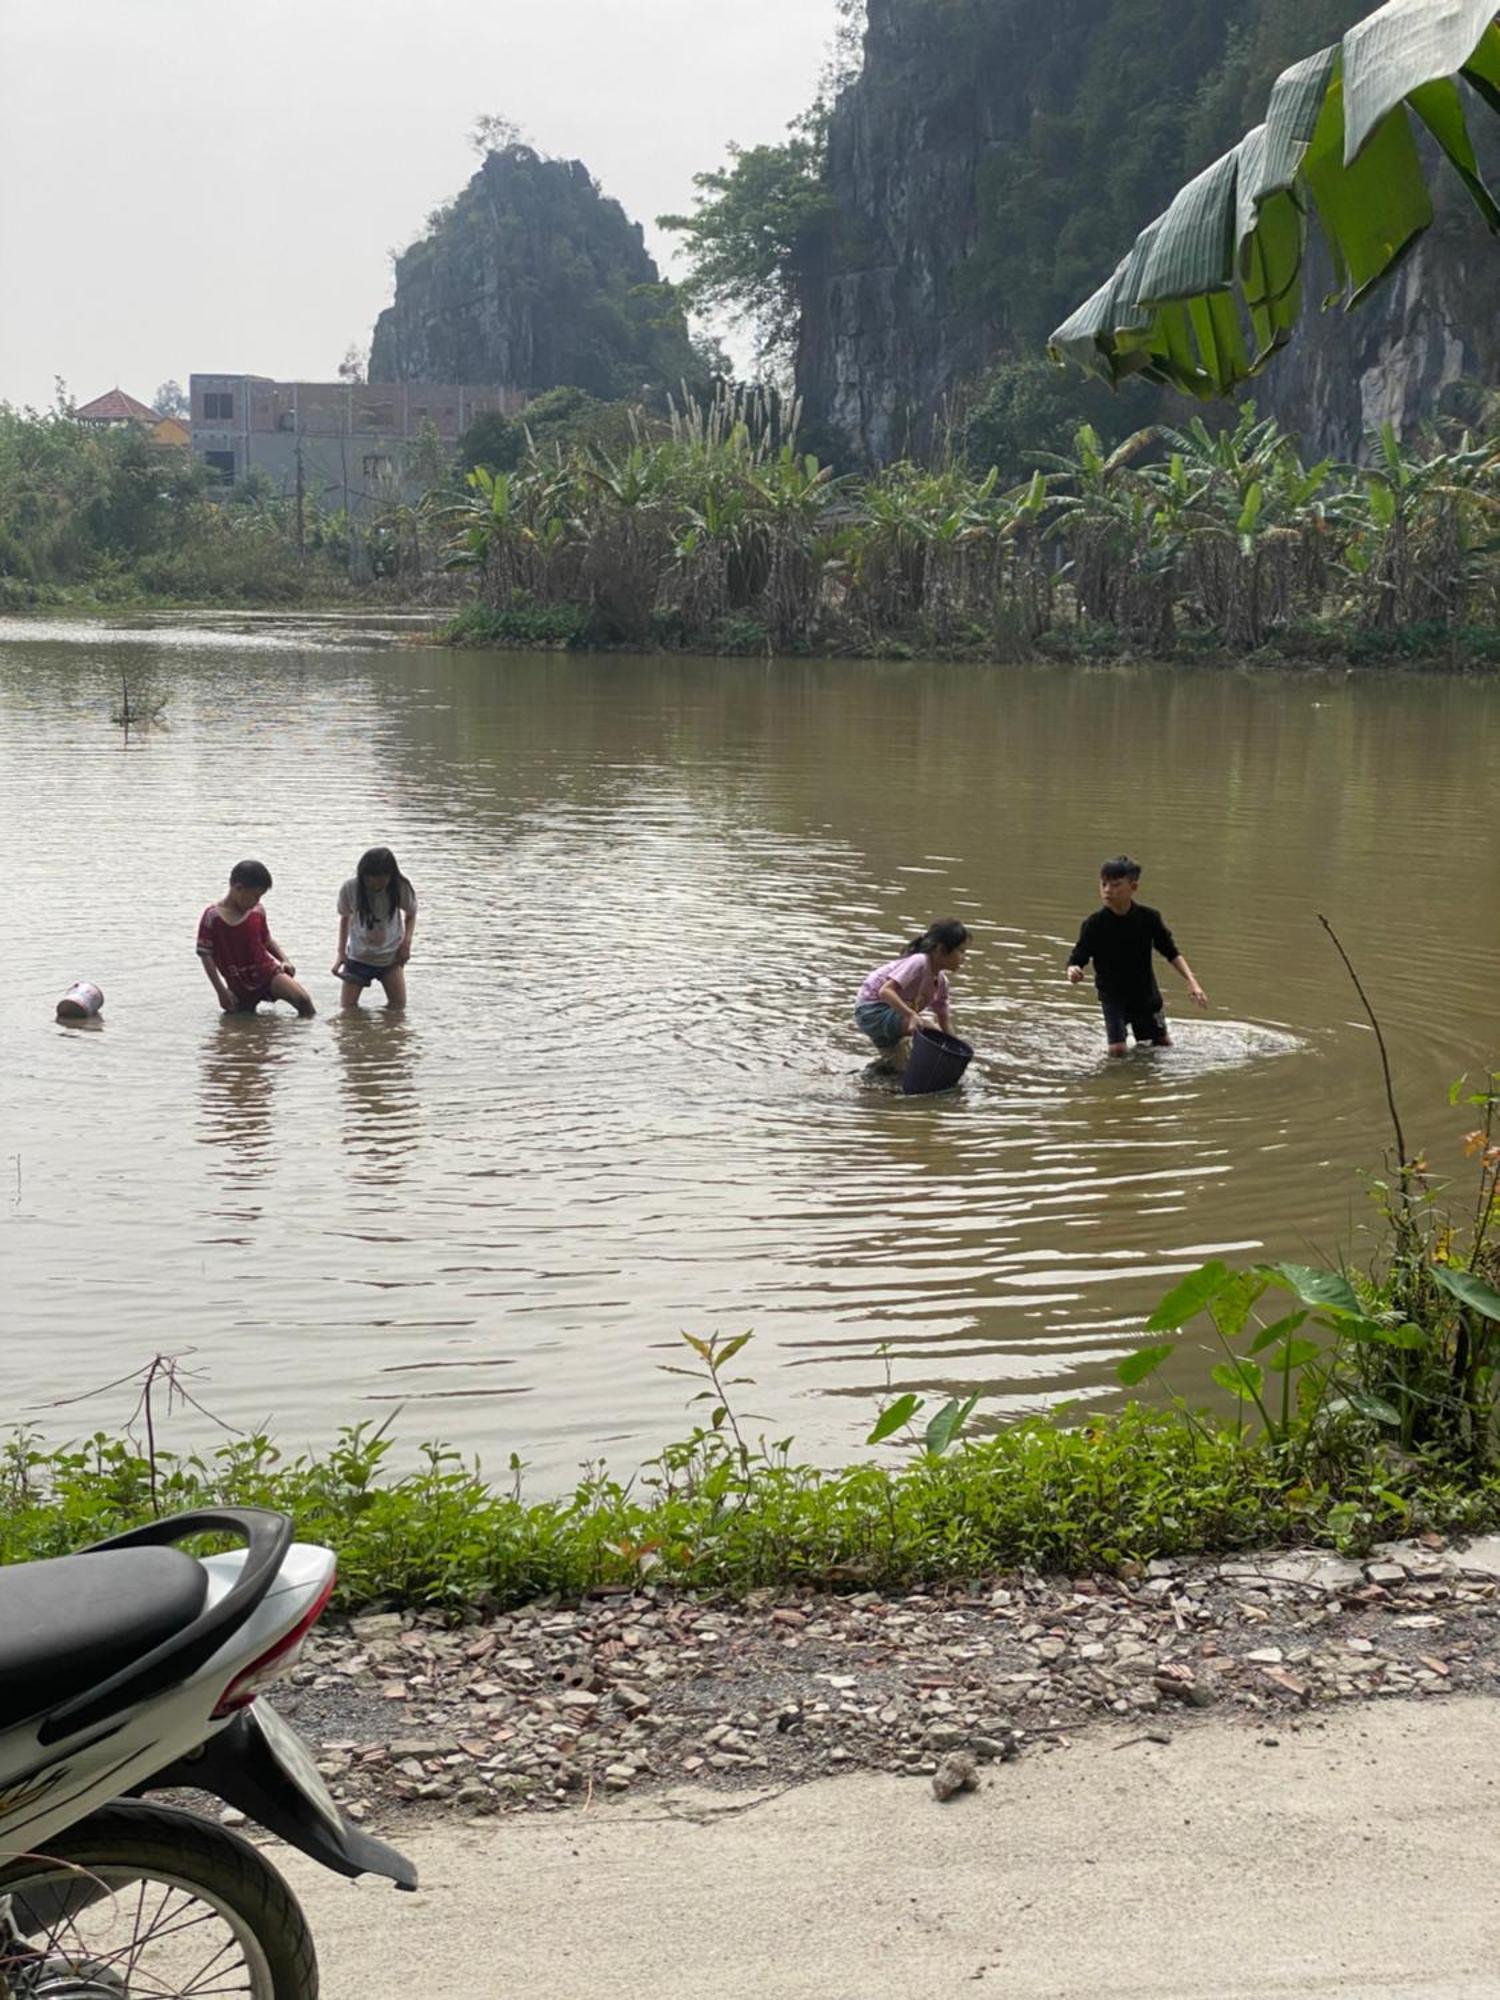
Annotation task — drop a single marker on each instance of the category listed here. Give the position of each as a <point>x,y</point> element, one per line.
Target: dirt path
<point>1355,1858</point>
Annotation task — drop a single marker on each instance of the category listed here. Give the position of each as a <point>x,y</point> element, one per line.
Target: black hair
<point>378,861</point>
<point>947,934</point>
<point>1121,869</point>
<point>250,875</point>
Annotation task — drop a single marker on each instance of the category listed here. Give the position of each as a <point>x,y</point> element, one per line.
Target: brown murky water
<point>628,1100</point>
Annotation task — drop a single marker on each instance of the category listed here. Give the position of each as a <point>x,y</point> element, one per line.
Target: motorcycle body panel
<point>261,1767</point>
<point>52,1775</point>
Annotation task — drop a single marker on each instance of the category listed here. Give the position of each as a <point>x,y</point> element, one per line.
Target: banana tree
<point>1120,527</point>
<point>795,495</point>
<point>1214,286</point>
<point>1419,532</point>
<point>1251,516</point>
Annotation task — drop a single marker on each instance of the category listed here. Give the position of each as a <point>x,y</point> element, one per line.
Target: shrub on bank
<point>1123,1488</point>
<point>531,628</point>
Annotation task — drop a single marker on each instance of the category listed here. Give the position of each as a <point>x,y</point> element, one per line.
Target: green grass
<point>531,628</point>
<point>709,1517</point>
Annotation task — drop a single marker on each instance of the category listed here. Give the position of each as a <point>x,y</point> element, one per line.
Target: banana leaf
<point>1214,286</point>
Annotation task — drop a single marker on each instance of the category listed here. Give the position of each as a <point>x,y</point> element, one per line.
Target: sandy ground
<point>1356,1855</point>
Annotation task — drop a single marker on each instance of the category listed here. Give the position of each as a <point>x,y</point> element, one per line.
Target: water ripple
<point>628,1100</point>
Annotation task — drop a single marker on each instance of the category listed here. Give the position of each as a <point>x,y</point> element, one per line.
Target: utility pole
<point>301,478</point>
<point>301,504</point>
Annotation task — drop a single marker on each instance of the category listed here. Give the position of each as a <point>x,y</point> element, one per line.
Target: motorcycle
<point>132,1668</point>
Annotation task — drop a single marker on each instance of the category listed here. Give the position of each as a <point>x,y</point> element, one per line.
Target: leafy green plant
<point>1412,1353</point>
<point>942,1429</point>
<point>1213,287</point>
<point>1271,1365</point>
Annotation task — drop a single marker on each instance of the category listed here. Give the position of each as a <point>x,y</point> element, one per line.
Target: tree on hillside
<point>171,400</point>
<point>846,52</point>
<point>758,221</point>
<point>752,234</point>
<point>1213,287</point>
<point>490,133</point>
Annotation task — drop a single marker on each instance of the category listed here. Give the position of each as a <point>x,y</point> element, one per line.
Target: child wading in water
<point>244,963</point>
<point>377,921</point>
<point>894,998</point>
<point>1119,939</point>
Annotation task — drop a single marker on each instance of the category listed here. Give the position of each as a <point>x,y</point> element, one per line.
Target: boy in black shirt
<point>1119,939</point>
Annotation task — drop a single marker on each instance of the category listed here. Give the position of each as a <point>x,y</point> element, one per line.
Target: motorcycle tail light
<point>276,1662</point>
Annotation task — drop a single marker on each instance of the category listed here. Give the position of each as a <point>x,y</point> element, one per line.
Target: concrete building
<point>354,445</point>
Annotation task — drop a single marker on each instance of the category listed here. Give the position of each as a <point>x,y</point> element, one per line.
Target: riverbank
<point>322,599</point>
<point>549,1707</point>
<point>711,1516</point>
<point>571,627</point>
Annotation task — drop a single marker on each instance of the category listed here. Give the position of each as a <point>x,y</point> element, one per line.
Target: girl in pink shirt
<point>894,998</point>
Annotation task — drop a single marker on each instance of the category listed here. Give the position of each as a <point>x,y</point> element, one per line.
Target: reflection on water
<point>377,1077</point>
<point>627,1099</point>
<point>241,1054</point>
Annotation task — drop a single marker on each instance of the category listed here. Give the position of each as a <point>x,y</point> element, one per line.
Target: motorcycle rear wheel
<point>151,1900</point>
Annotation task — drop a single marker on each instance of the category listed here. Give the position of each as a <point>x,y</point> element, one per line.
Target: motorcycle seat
<point>68,1624</point>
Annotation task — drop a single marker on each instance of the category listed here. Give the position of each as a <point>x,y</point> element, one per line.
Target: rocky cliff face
<point>996,157</point>
<point>534,279</point>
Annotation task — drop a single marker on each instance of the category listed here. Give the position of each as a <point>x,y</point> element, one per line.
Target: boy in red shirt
<point>244,963</point>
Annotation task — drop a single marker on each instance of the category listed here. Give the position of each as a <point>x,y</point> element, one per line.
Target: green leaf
<point>1134,1369</point>
<point>1382,504</point>
<point>1400,46</point>
<point>1242,1379</point>
<point>1291,120</point>
<point>1441,110</point>
<point>947,1424</point>
<point>1293,1354</point>
<point>1230,1307</point>
<point>731,1348</point>
<point>1469,1290</point>
<point>1186,1300</point>
<point>1250,512</point>
<point>1337,138</point>
<point>1192,251</point>
<point>1482,70</point>
<point>1328,1289</point>
<point>1375,1408</point>
<point>1281,1329</point>
<point>1216,325</point>
<point>893,1417</point>
<point>1372,208</point>
<point>1370,1332</point>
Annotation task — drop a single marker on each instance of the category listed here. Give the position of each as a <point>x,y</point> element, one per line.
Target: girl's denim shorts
<point>362,974</point>
<point>882,1024</point>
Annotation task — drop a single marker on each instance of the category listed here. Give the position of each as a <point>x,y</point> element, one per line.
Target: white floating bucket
<point>81,1002</point>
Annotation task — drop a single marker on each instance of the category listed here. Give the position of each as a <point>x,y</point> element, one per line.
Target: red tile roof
<point>115,408</point>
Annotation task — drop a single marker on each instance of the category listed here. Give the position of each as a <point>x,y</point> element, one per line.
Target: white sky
<point>189,185</point>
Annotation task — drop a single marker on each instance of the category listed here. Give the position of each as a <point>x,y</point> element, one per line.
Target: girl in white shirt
<point>377,921</point>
